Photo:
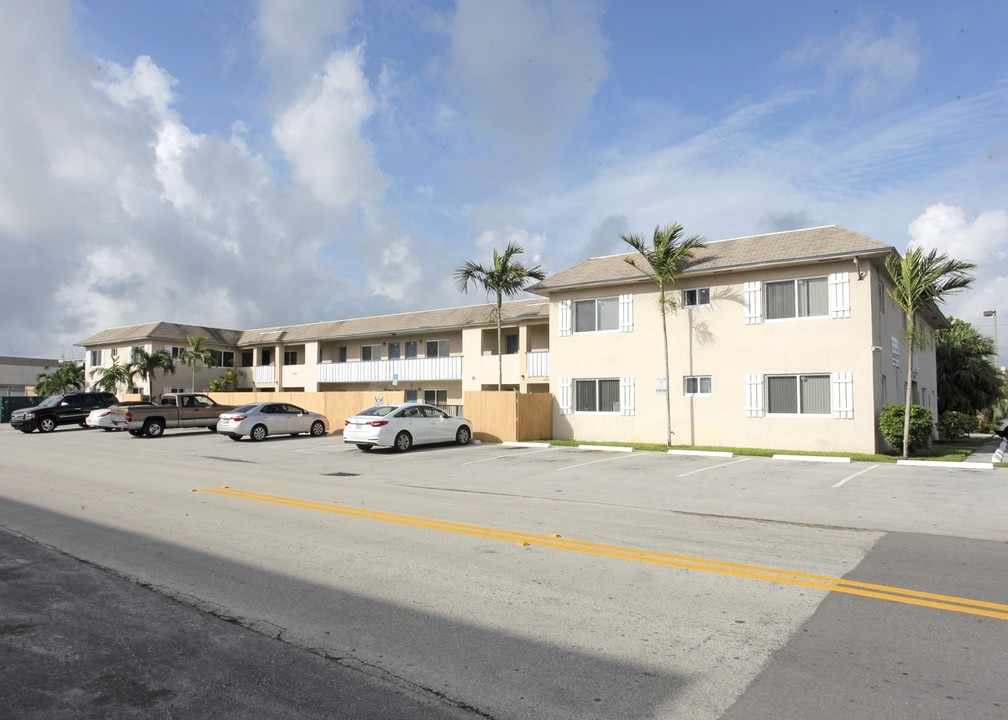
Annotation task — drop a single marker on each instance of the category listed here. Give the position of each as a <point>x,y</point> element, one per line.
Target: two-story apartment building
<point>432,355</point>
<point>786,340</point>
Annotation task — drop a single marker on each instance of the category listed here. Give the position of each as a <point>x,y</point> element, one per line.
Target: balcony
<point>384,371</point>
<point>537,364</point>
<point>264,374</point>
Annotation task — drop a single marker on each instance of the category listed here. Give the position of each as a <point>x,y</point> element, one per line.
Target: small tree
<point>68,377</point>
<point>195,356</point>
<point>146,365</point>
<point>228,382</point>
<point>919,281</point>
<point>111,377</point>
<point>504,278</point>
<point>892,427</point>
<point>668,256</point>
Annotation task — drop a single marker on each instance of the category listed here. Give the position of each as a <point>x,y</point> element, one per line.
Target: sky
<point>244,164</point>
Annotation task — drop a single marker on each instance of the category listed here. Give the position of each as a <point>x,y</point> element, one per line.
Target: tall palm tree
<point>111,377</point>
<point>919,281</point>
<point>968,381</point>
<point>195,356</point>
<point>505,278</point>
<point>146,364</point>
<point>668,255</point>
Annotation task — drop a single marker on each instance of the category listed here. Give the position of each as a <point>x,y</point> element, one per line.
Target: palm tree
<point>504,278</point>
<point>147,364</point>
<point>69,376</point>
<point>968,382</point>
<point>111,377</point>
<point>919,281</point>
<point>668,256</point>
<point>195,356</point>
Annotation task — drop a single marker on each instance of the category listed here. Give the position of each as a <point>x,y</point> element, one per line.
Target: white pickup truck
<point>175,410</point>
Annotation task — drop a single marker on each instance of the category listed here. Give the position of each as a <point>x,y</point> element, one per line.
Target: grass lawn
<point>956,451</point>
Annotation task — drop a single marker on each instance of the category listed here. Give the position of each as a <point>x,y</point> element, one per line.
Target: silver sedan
<point>261,419</point>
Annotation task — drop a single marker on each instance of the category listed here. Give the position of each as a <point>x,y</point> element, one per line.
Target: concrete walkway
<point>985,453</point>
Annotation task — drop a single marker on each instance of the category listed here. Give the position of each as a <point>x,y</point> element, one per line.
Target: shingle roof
<point>776,248</point>
<point>174,332</point>
<point>423,320</point>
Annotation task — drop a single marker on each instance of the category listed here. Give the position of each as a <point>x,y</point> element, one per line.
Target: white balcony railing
<point>406,370</point>
<point>537,364</point>
<point>264,374</point>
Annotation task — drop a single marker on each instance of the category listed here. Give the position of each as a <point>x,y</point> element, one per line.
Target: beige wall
<point>715,341</point>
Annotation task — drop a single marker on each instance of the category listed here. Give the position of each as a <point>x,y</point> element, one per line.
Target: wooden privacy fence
<point>496,416</point>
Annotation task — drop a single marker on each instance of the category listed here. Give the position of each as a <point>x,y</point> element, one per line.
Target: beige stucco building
<point>786,340</point>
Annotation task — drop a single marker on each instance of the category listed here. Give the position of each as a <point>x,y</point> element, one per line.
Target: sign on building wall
<point>895,352</point>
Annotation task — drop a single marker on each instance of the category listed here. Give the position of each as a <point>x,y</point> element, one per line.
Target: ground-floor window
<point>601,395</point>
<point>798,394</point>
<point>435,397</point>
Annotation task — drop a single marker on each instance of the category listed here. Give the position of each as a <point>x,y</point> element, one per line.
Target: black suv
<point>56,410</point>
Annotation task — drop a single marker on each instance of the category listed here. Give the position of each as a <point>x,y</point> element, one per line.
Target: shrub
<point>954,425</point>
<point>891,426</point>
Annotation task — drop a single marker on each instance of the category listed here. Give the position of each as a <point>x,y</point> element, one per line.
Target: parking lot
<point>543,581</point>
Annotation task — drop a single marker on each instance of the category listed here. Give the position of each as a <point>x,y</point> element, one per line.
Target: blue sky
<point>248,164</point>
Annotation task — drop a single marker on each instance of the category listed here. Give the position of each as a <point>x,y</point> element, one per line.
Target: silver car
<point>100,417</point>
<point>404,425</point>
<point>261,419</point>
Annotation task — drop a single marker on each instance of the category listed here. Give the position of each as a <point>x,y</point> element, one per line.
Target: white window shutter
<point>843,395</point>
<point>564,307</point>
<point>754,395</point>
<point>839,295</point>
<point>626,313</point>
<point>565,396</point>
<point>753,302</point>
<point>627,398</point>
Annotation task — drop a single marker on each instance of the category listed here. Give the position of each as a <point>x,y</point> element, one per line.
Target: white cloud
<point>526,71</point>
<point>321,135</point>
<point>871,64</point>
<point>397,274</point>
<point>532,244</point>
<point>982,241</point>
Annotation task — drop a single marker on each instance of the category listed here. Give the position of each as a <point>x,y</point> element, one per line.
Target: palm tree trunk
<point>500,357</point>
<point>909,399</point>
<point>668,389</point>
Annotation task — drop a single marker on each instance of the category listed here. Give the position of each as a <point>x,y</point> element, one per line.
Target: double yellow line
<point>949,603</point>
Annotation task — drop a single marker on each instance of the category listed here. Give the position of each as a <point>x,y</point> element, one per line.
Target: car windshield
<point>244,409</point>
<point>52,401</point>
<point>378,410</point>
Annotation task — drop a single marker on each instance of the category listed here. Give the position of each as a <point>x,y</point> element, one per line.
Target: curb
<point>703,453</point>
<point>947,465</point>
<point>605,448</point>
<point>813,458</point>
<point>514,444</point>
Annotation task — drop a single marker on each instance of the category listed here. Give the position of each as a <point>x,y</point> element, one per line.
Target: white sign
<point>895,352</point>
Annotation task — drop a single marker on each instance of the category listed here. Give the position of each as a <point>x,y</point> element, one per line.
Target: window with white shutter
<point>564,313</point>
<point>753,302</point>
<point>627,399</point>
<point>626,313</point>
<point>754,395</point>
<point>843,395</point>
<point>566,407</point>
<point>839,295</point>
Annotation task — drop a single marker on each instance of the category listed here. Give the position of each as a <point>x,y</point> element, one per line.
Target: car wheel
<point>464,435</point>
<point>47,424</point>
<point>83,425</point>
<point>363,446</point>
<point>259,432</point>
<point>318,428</point>
<point>135,433</point>
<point>212,428</point>
<point>403,441</point>
<point>154,428</point>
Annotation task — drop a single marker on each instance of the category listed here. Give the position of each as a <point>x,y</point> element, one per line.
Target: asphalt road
<point>190,576</point>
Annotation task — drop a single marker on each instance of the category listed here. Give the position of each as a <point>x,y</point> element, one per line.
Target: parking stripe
<point>906,596</point>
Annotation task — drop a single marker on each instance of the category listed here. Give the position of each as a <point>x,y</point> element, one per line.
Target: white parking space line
<point>851,477</point>
<point>713,467</point>
<point>509,455</point>
<point>619,456</point>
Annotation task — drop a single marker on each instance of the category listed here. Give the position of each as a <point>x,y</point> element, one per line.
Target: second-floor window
<point>290,357</point>
<point>437,348</point>
<point>806,297</point>
<point>393,350</point>
<point>697,296</point>
<point>411,349</point>
<point>96,358</point>
<point>596,315</point>
<point>370,352</point>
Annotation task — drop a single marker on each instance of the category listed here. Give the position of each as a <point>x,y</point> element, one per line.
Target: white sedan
<point>404,425</point>
<point>261,419</point>
<point>100,417</point>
